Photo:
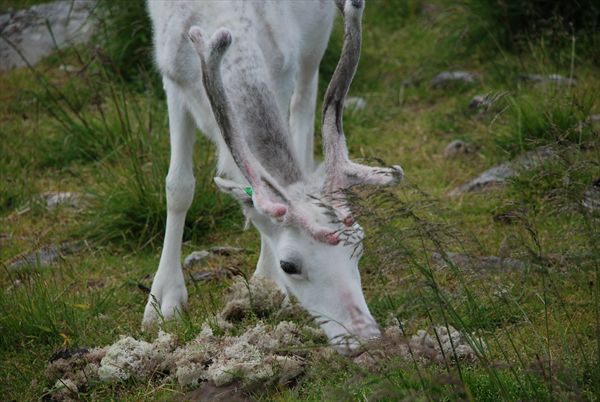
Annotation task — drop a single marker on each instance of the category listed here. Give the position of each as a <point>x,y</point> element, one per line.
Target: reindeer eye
<point>289,267</point>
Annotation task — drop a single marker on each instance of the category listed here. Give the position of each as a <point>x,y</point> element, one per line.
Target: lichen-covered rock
<point>129,357</point>
<point>76,365</point>
<point>259,296</point>
<point>239,361</point>
<point>224,355</point>
<point>126,358</point>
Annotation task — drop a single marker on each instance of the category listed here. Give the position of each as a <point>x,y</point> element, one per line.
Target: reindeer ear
<point>240,193</point>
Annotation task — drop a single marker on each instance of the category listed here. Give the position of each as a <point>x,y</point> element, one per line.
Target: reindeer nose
<point>361,330</point>
<point>365,328</point>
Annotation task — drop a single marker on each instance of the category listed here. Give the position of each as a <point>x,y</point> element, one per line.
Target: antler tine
<point>340,171</point>
<point>211,54</point>
<point>264,186</point>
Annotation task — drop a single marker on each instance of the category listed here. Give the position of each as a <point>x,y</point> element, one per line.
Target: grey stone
<point>53,199</point>
<point>483,103</point>
<point>447,77</point>
<point>462,260</point>
<point>44,256</point>
<point>591,197</point>
<point>457,147</point>
<point>498,175</point>
<point>548,79</point>
<point>354,103</point>
<point>195,258</point>
<point>491,177</point>
<point>43,28</point>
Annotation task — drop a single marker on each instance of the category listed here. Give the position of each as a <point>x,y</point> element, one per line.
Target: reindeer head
<point>310,243</point>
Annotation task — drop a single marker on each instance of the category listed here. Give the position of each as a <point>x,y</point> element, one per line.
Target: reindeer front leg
<point>168,294</point>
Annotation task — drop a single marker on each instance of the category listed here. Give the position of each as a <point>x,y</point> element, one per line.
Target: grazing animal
<point>251,88</point>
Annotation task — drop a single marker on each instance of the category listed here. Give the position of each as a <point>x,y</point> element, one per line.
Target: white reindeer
<point>251,88</point>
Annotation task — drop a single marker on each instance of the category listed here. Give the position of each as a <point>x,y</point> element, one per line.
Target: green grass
<point>103,133</point>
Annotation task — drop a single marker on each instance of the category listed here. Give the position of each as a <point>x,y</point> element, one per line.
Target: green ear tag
<point>248,190</point>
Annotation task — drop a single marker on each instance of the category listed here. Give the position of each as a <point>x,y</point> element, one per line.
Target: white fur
<point>281,44</point>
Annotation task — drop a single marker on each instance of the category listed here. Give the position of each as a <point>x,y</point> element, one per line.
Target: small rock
<point>548,79</point>
<point>38,31</point>
<point>457,147</point>
<point>498,175</point>
<point>479,101</point>
<point>447,77</point>
<point>478,263</point>
<point>355,103</point>
<point>212,275</point>
<point>591,197</point>
<point>195,258</point>
<point>53,199</point>
<point>482,103</point>
<point>44,256</point>
<point>494,176</point>
<point>594,119</point>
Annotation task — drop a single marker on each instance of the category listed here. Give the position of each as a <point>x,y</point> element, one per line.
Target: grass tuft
<point>546,117</point>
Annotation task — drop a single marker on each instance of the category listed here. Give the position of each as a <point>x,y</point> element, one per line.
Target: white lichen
<point>129,357</point>
<point>225,353</point>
